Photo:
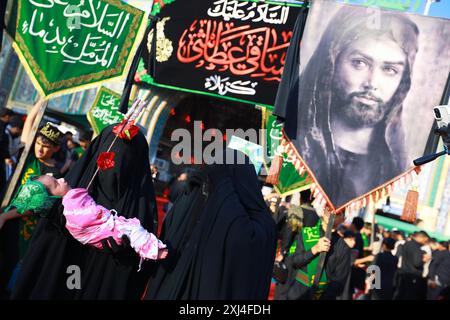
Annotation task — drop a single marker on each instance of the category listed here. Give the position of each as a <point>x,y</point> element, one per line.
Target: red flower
<point>137,77</point>
<point>126,130</point>
<point>105,160</point>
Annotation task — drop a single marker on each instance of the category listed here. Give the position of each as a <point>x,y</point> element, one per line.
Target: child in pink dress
<point>91,223</point>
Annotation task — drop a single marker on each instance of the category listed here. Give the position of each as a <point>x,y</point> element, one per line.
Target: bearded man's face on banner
<point>368,73</point>
<point>367,84</point>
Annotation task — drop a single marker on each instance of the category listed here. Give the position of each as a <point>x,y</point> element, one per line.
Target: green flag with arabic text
<point>289,180</point>
<point>69,45</point>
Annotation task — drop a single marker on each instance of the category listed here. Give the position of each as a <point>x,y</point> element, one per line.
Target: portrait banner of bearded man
<point>357,99</point>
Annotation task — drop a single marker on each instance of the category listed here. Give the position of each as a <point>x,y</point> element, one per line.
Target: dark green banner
<point>290,180</point>
<point>105,110</point>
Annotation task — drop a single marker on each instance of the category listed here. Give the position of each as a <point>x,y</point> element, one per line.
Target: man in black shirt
<point>387,263</point>
<point>439,274</point>
<point>358,274</point>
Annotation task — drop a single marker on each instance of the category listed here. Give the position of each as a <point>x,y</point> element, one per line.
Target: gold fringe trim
<point>321,201</point>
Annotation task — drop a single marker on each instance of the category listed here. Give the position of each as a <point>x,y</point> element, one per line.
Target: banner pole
<point>323,255</point>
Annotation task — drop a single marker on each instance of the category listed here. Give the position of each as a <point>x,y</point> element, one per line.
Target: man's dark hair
<point>16,122</point>
<point>305,196</point>
<point>85,135</point>
<point>358,223</point>
<point>389,243</point>
<point>422,233</point>
<point>349,234</point>
<point>5,112</point>
<point>341,228</point>
<point>444,244</point>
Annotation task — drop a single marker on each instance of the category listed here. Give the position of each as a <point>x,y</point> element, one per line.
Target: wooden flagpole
<point>323,255</point>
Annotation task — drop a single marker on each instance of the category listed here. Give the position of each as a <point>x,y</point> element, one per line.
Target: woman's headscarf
<point>128,186</point>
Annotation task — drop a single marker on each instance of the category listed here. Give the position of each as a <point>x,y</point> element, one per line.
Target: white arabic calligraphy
<point>109,101</point>
<point>105,111</point>
<point>96,48</point>
<point>223,86</point>
<point>241,10</point>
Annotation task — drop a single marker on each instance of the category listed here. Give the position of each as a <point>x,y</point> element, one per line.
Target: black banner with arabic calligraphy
<point>226,48</point>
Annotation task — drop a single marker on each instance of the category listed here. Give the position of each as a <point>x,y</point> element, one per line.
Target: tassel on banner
<point>274,172</point>
<point>417,169</point>
<point>301,171</point>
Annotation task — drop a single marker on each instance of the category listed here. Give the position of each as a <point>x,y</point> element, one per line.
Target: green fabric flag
<point>105,110</point>
<point>290,180</point>
<point>310,237</point>
<point>69,45</point>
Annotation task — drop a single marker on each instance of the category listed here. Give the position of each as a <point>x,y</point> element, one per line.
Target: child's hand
<point>162,253</point>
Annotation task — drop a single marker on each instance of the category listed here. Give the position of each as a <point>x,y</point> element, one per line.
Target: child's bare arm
<point>12,214</point>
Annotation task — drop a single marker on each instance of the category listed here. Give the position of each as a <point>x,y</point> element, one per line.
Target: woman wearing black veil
<point>222,238</point>
<point>105,274</point>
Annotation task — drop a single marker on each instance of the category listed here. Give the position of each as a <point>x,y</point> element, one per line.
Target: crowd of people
<point>220,238</point>
<point>407,267</point>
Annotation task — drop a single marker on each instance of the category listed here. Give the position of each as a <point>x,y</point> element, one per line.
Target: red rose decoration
<point>118,128</point>
<point>105,160</point>
<point>126,130</point>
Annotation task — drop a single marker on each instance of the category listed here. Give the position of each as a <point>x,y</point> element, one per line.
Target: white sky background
<point>145,5</point>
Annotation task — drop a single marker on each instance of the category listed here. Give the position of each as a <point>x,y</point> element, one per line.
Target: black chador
<point>222,238</point>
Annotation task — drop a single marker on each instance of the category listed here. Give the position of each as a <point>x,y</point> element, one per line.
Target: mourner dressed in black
<point>222,238</point>
<point>105,274</point>
<point>410,284</point>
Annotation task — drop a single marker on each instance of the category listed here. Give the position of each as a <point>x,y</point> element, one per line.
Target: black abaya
<point>128,189</point>
<point>222,236</point>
